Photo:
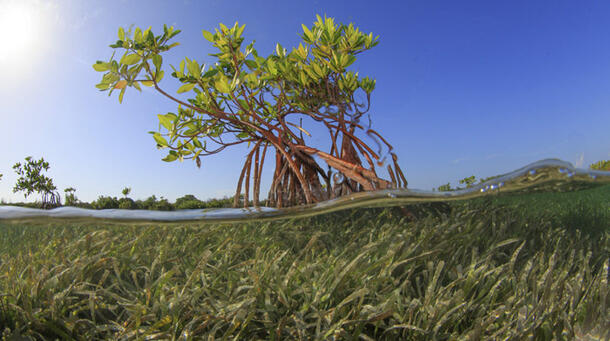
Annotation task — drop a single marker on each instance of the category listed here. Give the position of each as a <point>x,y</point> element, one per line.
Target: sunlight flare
<point>26,34</point>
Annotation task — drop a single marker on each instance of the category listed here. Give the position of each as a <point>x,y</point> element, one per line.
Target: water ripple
<point>549,175</point>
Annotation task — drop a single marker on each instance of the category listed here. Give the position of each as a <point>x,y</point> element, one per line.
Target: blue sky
<point>463,87</point>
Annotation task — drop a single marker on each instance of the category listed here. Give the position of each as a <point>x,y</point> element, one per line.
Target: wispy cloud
<point>458,160</point>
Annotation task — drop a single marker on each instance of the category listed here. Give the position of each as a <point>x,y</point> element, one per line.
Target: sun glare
<point>22,24</point>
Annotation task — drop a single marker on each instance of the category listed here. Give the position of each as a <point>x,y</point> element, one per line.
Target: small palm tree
<point>70,197</point>
<point>126,191</point>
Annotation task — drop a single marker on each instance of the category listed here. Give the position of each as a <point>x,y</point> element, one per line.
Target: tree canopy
<point>245,98</point>
<point>32,180</point>
<point>603,165</point>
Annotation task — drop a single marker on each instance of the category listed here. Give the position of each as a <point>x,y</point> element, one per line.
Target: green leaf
<point>157,60</point>
<point>147,83</point>
<point>101,66</point>
<point>121,95</point>
<point>222,85</point>
<point>350,60</point>
<point>193,68</point>
<point>150,37</point>
<point>243,104</point>
<point>114,66</point>
<point>210,73</point>
<point>182,67</point>
<point>302,52</point>
<point>251,77</point>
<point>303,78</point>
<point>170,157</point>
<point>190,132</point>
<point>173,117</point>
<point>102,86</point>
<point>121,33</point>
<point>160,139</point>
<point>165,121</point>
<point>306,30</point>
<point>137,36</point>
<point>279,50</point>
<point>208,36</point>
<point>197,143</point>
<point>271,67</point>
<point>173,45</point>
<point>159,76</point>
<point>130,59</point>
<point>145,34</point>
<point>240,31</point>
<point>119,43</point>
<point>186,88</point>
<point>251,64</point>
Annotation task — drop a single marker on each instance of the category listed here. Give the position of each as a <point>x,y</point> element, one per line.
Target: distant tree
<point>71,199</point>
<point>147,204</point>
<point>0,176</point>
<point>162,205</point>
<point>603,165</point>
<point>218,203</point>
<point>188,201</point>
<point>245,98</point>
<point>469,181</point>
<point>187,197</point>
<point>105,202</point>
<point>126,191</point>
<point>32,180</point>
<point>127,204</point>
<point>445,188</point>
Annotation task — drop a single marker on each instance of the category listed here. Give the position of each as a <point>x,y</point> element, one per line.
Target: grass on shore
<point>510,268</point>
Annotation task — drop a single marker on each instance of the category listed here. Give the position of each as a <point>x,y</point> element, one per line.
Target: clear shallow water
<point>550,175</point>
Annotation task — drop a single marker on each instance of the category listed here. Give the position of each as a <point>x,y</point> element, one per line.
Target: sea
<point>549,175</point>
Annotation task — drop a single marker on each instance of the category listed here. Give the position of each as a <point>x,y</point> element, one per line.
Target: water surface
<point>549,175</point>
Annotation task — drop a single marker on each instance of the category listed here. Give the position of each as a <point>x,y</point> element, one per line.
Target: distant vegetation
<point>35,181</point>
<point>188,201</point>
<point>601,165</point>
<point>32,180</point>
<point>469,182</point>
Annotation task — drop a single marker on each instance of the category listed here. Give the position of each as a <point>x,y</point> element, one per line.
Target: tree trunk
<point>285,190</point>
<point>296,179</point>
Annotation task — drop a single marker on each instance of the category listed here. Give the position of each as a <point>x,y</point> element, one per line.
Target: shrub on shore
<point>105,202</point>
